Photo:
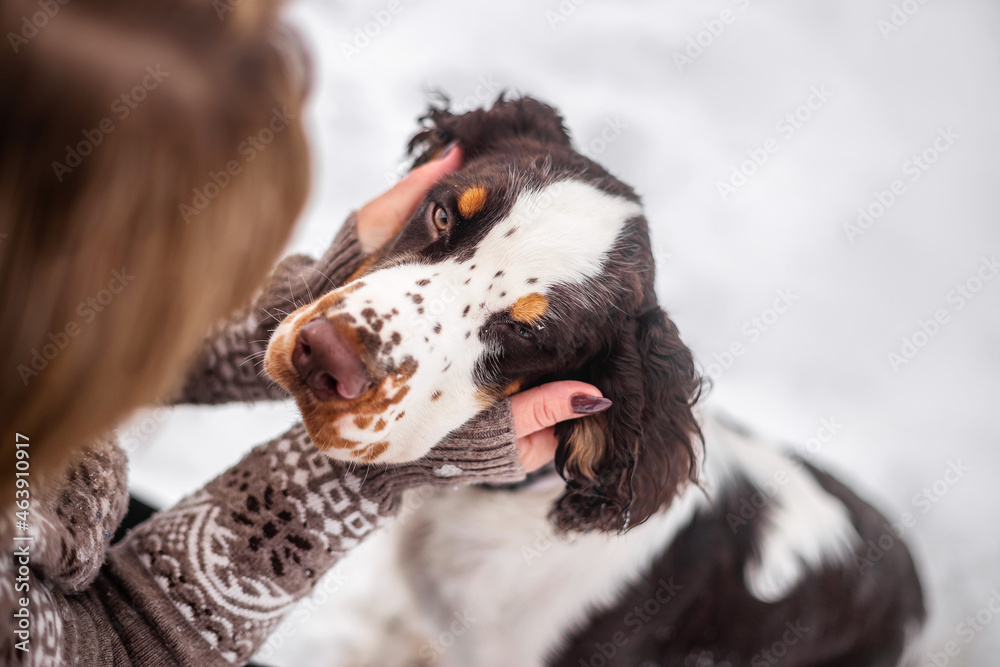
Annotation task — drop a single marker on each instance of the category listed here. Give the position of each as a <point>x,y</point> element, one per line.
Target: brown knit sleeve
<point>234,558</point>
<point>58,547</point>
<point>229,366</point>
<point>206,582</point>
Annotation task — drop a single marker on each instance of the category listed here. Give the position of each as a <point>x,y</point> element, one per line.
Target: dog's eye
<point>524,331</point>
<point>440,217</point>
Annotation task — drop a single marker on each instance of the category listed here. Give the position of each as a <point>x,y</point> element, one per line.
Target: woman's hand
<point>380,219</point>
<point>537,411</point>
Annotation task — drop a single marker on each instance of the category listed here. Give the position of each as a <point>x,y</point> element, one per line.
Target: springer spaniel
<point>663,535</point>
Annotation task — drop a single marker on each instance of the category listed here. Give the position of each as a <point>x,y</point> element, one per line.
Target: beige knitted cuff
<point>482,450</point>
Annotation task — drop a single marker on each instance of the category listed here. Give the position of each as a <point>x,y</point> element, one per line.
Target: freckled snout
<point>326,363</point>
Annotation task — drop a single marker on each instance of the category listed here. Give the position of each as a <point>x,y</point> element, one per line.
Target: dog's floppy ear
<point>481,130</point>
<point>624,464</point>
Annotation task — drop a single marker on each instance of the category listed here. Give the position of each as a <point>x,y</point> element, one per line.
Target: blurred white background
<point>882,90</point>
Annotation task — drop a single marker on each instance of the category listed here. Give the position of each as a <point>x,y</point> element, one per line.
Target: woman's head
<point>152,162</point>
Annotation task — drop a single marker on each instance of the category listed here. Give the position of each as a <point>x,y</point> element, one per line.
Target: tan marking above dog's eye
<point>472,201</point>
<point>440,218</point>
<point>529,308</point>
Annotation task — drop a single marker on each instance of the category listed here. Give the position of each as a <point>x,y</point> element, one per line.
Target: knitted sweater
<point>205,583</point>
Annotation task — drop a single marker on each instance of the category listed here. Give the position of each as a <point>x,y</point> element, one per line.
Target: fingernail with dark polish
<point>584,404</point>
<point>448,149</point>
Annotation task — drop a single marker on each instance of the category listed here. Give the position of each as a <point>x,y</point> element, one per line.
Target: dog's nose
<point>325,361</point>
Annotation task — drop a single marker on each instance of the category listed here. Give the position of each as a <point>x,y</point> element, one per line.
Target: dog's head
<point>530,264</point>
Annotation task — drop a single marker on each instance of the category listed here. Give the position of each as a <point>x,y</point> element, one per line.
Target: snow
<point>819,370</point>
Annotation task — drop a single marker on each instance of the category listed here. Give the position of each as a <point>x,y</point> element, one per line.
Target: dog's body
<point>532,263</point>
<point>769,564</point>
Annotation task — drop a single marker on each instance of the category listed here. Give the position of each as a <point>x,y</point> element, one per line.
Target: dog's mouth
<point>326,363</point>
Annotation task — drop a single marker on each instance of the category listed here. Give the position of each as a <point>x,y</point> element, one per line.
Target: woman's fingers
<point>537,410</point>
<point>538,448</point>
<point>380,219</point>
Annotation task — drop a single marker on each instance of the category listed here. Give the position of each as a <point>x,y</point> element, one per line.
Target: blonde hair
<point>151,167</point>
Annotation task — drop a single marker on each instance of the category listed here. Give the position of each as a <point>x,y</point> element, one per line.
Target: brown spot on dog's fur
<point>423,282</point>
<point>529,308</point>
<point>373,451</point>
<point>532,281</point>
<point>400,415</point>
<point>587,445</point>
<point>487,396</point>
<point>372,318</point>
<point>380,425</point>
<point>436,395</point>
<point>472,201</point>
<point>512,388</point>
<point>365,266</point>
<point>335,299</point>
<point>334,441</point>
<point>363,421</point>
<point>437,328</point>
<point>417,298</point>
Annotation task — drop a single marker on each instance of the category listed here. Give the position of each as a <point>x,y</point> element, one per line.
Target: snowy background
<point>880,94</point>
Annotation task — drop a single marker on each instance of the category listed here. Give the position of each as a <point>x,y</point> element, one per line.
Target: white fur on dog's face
<point>420,327</point>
